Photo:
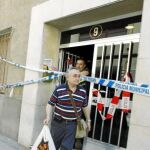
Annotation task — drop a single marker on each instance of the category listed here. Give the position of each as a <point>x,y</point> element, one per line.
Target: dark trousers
<point>63,134</point>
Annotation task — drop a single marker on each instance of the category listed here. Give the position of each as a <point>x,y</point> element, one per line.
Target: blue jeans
<point>63,134</point>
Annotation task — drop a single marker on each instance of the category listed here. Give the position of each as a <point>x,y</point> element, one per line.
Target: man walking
<point>64,121</point>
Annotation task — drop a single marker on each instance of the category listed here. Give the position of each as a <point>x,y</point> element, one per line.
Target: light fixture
<point>129,27</point>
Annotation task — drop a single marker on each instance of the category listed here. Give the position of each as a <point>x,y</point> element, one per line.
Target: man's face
<point>80,65</point>
<point>73,77</point>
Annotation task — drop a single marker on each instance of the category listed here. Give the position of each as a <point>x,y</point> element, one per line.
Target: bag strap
<point>74,105</point>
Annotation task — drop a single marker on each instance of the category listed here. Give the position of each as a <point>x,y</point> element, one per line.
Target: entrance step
<point>89,144</point>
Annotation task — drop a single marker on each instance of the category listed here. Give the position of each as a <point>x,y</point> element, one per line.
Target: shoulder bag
<point>81,124</point>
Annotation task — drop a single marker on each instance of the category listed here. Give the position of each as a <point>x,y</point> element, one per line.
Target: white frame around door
<point>125,39</point>
<point>115,39</point>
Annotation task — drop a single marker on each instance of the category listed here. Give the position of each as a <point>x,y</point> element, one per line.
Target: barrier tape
<point>107,101</point>
<point>113,104</point>
<point>29,68</point>
<point>126,96</point>
<point>22,83</point>
<point>142,89</point>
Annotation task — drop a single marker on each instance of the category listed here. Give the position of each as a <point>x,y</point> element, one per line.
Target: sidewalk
<point>9,144</point>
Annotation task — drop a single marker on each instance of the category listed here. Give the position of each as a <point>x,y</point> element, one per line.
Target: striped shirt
<point>63,106</point>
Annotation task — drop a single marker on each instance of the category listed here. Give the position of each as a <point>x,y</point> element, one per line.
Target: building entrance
<point>108,58</point>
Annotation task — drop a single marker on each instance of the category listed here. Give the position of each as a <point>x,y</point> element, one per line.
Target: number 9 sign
<point>95,31</point>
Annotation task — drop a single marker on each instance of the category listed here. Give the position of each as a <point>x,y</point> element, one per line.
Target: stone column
<point>44,41</point>
<point>139,132</point>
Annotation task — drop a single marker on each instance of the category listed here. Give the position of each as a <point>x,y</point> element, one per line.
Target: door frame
<point>124,39</point>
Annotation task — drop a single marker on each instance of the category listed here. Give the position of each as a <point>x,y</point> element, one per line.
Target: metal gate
<point>66,61</point>
<point>112,58</point>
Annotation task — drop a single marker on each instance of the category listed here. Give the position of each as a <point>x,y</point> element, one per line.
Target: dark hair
<point>82,59</point>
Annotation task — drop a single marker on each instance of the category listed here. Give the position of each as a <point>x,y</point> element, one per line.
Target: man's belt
<point>60,119</point>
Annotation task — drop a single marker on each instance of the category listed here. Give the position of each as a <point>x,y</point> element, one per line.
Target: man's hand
<point>88,125</point>
<point>46,120</point>
<point>49,112</point>
<point>87,116</point>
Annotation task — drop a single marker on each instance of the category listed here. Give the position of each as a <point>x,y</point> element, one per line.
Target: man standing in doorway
<point>64,121</point>
<point>81,65</point>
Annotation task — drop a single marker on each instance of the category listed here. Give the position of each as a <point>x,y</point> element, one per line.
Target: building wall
<point>139,133</point>
<point>43,42</point>
<point>41,16</point>
<point>15,14</point>
<point>9,116</point>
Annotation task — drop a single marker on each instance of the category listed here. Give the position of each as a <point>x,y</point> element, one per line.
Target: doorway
<point>108,58</point>
<point>69,56</point>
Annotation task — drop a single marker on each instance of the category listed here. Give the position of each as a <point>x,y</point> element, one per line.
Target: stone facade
<point>30,45</point>
<point>17,15</point>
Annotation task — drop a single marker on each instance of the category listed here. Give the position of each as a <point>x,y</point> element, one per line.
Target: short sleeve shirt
<point>61,100</point>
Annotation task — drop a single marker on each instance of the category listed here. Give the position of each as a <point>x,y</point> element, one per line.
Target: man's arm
<point>87,116</point>
<point>49,113</point>
<point>85,73</point>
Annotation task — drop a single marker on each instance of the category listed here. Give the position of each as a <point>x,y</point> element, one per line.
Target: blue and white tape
<point>30,68</point>
<point>142,89</point>
<point>20,84</point>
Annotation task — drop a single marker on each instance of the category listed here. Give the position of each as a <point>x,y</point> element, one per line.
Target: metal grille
<point>112,58</point>
<point>64,65</point>
<point>111,61</point>
<point>4,45</point>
